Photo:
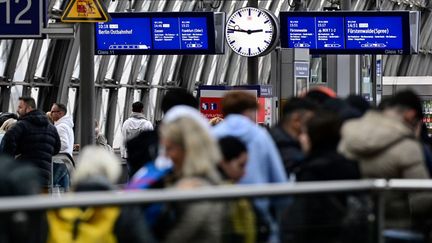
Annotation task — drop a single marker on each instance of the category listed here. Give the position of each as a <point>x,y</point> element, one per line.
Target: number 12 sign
<point>21,18</point>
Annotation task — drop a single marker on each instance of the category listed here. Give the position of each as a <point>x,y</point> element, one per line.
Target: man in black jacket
<point>33,139</point>
<point>286,134</point>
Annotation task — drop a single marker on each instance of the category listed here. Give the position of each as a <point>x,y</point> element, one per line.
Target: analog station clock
<point>252,32</point>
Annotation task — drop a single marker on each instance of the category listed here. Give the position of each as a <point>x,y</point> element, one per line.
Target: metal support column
<point>252,75</point>
<point>87,86</point>
<point>343,70</point>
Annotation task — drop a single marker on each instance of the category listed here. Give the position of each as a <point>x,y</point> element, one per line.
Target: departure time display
<point>347,32</point>
<point>157,33</point>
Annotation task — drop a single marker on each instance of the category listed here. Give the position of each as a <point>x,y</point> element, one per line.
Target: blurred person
<point>100,139</point>
<point>385,145</point>
<point>8,124</point>
<point>241,222</point>
<point>19,179</point>
<point>264,162</point>
<point>50,119</point>
<point>194,154</point>
<point>320,94</point>
<point>143,150</point>
<point>358,102</point>
<point>6,115</point>
<point>215,120</point>
<point>135,124</point>
<point>320,218</point>
<point>33,139</point>
<point>286,134</point>
<point>64,125</point>
<point>175,97</point>
<point>97,170</point>
<point>342,108</point>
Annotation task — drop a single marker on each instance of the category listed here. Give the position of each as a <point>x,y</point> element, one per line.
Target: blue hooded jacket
<point>264,162</point>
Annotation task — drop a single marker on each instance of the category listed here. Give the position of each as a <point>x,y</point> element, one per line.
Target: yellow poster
<point>85,11</point>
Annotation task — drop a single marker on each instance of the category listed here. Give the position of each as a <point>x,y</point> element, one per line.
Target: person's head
<point>358,102</point>
<point>25,105</point>
<point>176,97</point>
<point>58,111</point>
<point>320,94</point>
<point>215,120</point>
<point>322,132</point>
<point>190,147</point>
<point>240,102</point>
<point>296,113</point>
<point>8,124</point>
<point>138,107</point>
<point>407,105</point>
<point>97,162</point>
<point>235,156</point>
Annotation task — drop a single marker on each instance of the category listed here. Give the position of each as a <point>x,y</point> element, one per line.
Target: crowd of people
<point>319,137</point>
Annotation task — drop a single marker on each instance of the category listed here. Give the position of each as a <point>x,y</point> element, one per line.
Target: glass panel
<point>16,92</point>
<point>119,117</point>
<point>42,58</point>
<point>111,65</point>
<point>101,117</point>
<point>5,48</point>
<point>34,93</point>
<point>71,101</point>
<point>23,60</point>
<point>127,70</point>
<point>76,67</point>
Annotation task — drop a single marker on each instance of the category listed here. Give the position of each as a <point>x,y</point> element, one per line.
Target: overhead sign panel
<point>21,19</point>
<point>342,32</point>
<point>85,11</point>
<point>159,33</point>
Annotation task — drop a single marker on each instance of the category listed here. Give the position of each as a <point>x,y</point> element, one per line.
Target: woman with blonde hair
<point>194,154</point>
<point>8,124</point>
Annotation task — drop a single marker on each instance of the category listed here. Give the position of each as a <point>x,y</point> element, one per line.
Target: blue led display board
<point>156,33</point>
<point>22,19</point>
<point>346,32</point>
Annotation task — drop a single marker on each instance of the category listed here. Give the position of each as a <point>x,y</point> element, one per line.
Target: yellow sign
<point>78,11</point>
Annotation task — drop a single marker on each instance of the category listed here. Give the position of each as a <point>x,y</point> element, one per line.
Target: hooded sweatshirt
<point>64,128</point>
<point>33,139</point>
<point>135,124</point>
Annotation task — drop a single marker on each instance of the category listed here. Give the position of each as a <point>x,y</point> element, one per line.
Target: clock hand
<point>239,30</point>
<point>254,31</point>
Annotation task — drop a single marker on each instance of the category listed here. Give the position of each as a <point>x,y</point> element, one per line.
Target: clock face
<point>251,31</point>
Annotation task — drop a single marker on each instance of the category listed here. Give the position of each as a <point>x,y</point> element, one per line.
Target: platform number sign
<point>21,18</point>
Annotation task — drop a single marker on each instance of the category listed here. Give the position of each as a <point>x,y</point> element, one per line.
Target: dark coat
<point>33,139</point>
<point>289,148</point>
<point>320,218</point>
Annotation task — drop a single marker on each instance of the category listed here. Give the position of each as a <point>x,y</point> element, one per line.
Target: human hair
<point>201,151</point>
<point>407,99</point>
<point>231,147</point>
<point>324,130</point>
<point>137,106</point>
<point>61,107</point>
<point>237,102</point>
<point>178,97</point>
<point>95,161</point>
<point>8,124</point>
<point>296,104</point>
<point>29,101</point>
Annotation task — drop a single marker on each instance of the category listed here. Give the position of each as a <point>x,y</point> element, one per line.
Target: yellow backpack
<point>76,225</point>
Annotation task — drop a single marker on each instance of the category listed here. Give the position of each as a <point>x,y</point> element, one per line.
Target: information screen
<point>156,33</point>
<point>343,32</point>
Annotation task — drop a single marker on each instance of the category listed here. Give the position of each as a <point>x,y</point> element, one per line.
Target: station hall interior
<point>100,71</point>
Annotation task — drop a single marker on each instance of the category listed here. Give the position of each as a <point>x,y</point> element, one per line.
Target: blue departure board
<point>156,33</point>
<point>346,32</point>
